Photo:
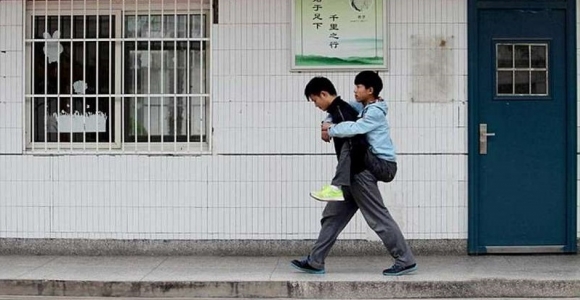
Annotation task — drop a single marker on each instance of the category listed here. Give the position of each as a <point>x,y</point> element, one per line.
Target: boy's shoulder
<point>378,106</point>
<point>341,110</point>
<point>342,104</point>
<point>340,101</point>
<point>354,104</point>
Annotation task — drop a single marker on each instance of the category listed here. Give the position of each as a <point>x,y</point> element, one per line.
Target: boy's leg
<point>341,178</point>
<point>335,217</point>
<point>368,197</point>
<point>383,170</point>
<point>342,174</point>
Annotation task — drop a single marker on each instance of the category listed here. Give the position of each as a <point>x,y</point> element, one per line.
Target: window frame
<point>496,69</point>
<point>120,11</point>
<point>206,86</point>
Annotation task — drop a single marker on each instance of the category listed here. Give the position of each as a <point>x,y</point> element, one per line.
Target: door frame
<point>474,6</point>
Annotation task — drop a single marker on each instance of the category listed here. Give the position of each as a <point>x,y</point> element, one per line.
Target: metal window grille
<point>118,76</point>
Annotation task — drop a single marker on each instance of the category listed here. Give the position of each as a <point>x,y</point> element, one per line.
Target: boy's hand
<point>324,135</point>
<point>324,132</point>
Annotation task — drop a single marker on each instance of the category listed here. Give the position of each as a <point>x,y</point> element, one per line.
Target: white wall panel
<point>11,90</point>
<point>267,152</point>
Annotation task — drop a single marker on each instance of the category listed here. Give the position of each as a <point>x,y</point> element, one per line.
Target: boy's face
<point>322,101</point>
<point>362,93</point>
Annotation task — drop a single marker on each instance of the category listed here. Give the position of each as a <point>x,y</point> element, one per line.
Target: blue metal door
<point>520,128</point>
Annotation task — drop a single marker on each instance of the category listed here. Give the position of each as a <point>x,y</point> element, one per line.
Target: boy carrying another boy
<point>350,151</point>
<point>363,192</point>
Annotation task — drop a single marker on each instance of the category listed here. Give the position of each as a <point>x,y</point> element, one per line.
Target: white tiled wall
<point>267,150</point>
<point>11,89</point>
<point>259,107</point>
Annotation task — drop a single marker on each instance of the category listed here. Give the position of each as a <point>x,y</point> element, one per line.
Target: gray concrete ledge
<point>298,289</point>
<point>215,247</point>
<point>352,277</point>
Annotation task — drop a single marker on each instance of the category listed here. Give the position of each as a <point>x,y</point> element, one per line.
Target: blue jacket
<point>373,123</point>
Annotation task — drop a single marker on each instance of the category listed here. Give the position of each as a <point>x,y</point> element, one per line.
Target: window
<point>161,73</point>
<point>70,101</point>
<point>522,69</point>
<point>118,77</point>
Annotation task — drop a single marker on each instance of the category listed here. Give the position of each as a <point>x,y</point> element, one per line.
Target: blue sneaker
<point>397,270</point>
<point>304,266</point>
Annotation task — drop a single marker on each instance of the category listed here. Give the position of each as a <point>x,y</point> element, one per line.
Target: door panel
<point>522,196</point>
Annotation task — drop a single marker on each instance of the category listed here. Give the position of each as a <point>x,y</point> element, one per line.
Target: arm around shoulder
<point>372,119</point>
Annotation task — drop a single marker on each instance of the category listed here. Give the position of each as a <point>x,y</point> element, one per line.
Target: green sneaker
<point>328,193</point>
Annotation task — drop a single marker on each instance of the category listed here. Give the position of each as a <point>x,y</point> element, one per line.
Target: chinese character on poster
<point>338,34</point>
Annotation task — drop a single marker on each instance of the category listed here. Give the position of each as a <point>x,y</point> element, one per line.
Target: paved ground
<point>100,298</point>
<point>272,277</point>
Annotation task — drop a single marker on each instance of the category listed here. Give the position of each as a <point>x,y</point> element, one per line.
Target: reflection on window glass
<point>538,56</point>
<point>522,82</point>
<point>505,82</point>
<point>166,74</point>
<point>521,69</point>
<point>505,56</point>
<point>165,26</point>
<point>75,28</point>
<point>538,82</point>
<point>522,56</point>
<point>165,119</point>
<point>65,71</point>
<point>150,69</point>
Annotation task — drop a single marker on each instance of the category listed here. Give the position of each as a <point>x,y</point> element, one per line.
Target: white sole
<point>326,199</point>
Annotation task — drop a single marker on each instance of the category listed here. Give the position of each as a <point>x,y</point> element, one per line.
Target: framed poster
<point>338,34</point>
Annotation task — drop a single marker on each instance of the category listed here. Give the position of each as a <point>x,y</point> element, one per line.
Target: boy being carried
<point>380,158</point>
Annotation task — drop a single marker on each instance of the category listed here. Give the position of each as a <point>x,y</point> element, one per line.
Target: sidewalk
<point>272,277</point>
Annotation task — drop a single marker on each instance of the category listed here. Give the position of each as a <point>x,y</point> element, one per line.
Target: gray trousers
<point>362,194</point>
<point>342,174</point>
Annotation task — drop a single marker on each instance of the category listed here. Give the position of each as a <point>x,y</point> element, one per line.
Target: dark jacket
<point>339,110</point>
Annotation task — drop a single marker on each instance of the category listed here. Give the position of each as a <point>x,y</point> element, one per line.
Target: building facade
<point>185,120</point>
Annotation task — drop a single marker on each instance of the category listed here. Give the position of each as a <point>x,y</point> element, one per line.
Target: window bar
<point>497,69</point>
<point>45,112</point>
<point>188,75</point>
<point>149,59</point>
<point>33,86</point>
<point>23,79</point>
<point>83,92</point>
<point>71,64</point>
<point>135,73</point>
<point>513,69</point>
<point>209,75</point>
<point>97,92</point>
<point>58,82</point>
<point>547,68</point>
<point>97,80</point>
<point>175,57</point>
<point>201,75</point>
<point>175,91</point>
<point>110,90</point>
<point>529,69</point>
<point>123,91</point>
<point>162,85</point>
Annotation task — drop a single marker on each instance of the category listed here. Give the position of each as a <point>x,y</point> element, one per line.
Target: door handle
<point>483,134</point>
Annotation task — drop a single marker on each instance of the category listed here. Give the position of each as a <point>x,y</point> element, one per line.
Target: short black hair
<point>317,85</point>
<point>370,79</point>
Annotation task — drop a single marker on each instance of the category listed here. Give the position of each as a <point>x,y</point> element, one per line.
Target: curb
<point>496,288</point>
